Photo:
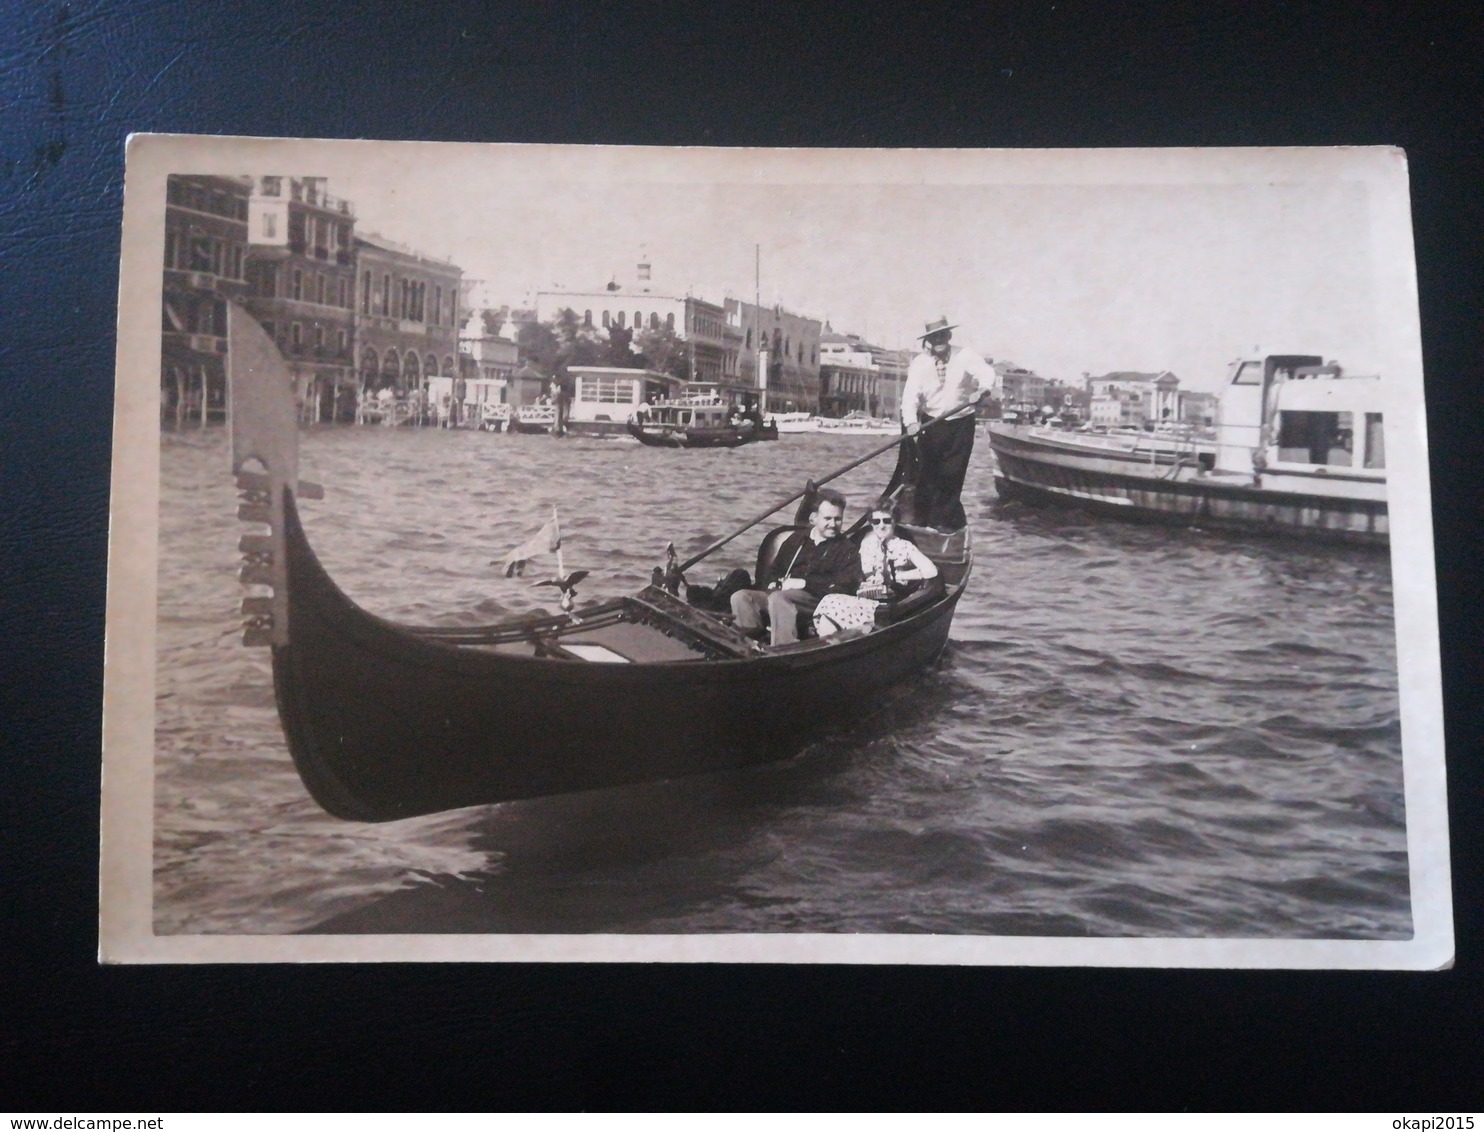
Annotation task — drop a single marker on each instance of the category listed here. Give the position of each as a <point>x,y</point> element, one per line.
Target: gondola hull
<point>387,722</point>
<point>662,436</point>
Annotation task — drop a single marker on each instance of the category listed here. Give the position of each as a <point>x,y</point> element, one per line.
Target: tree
<point>493,321</point>
<point>618,351</point>
<point>539,345</point>
<point>664,351</point>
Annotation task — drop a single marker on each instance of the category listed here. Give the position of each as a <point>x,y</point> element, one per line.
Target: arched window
<point>670,322</point>
<point>777,342</point>
<point>370,364</point>
<point>386,294</point>
<point>638,320</point>
<point>391,366</point>
<point>620,319</point>
<point>448,370</point>
<point>654,320</point>
<point>430,365</point>
<point>411,370</point>
<point>587,318</point>
<point>606,320</point>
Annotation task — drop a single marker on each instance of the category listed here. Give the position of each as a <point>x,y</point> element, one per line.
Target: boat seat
<point>767,551</point>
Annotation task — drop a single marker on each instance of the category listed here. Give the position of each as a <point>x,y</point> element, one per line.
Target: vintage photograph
<point>599,553</point>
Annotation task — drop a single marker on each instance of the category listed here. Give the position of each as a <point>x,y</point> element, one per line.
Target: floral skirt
<point>844,611</point>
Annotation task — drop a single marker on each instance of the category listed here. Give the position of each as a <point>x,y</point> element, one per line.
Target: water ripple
<point>1134,732</point>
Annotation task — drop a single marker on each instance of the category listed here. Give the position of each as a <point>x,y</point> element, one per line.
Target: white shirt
<point>968,375</point>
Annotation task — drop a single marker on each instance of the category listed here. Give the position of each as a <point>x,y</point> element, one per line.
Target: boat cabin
<point>687,413</point>
<point>1298,413</point>
<point>611,395</point>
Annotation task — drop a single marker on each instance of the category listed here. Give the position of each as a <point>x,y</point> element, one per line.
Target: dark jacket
<point>829,567</point>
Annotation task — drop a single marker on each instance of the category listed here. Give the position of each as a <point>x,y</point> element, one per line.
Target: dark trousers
<point>936,461</point>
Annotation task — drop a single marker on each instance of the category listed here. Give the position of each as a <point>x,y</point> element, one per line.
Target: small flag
<point>548,540</point>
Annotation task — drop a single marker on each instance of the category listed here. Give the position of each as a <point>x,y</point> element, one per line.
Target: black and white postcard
<point>561,553</point>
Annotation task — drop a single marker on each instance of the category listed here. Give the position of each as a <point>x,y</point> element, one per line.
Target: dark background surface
<point>77,78</point>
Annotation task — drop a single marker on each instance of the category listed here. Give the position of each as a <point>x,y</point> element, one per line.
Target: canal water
<point>1134,731</point>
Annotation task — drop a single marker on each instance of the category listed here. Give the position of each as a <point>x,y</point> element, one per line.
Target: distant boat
<point>796,422</point>
<point>697,423</point>
<point>1298,449</point>
<point>859,422</point>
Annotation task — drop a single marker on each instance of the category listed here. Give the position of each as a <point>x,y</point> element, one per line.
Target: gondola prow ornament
<point>548,540</point>
<point>263,421</point>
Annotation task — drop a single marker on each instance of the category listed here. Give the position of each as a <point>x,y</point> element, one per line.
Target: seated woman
<point>890,567</point>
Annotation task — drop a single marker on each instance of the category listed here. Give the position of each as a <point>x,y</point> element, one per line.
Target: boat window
<point>1375,442</point>
<point>1250,373</point>
<point>606,390</point>
<point>1316,438</point>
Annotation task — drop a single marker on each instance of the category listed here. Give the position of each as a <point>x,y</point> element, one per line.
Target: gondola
<point>692,423</point>
<point>388,721</point>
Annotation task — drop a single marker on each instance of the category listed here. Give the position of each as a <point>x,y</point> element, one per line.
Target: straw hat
<point>937,328</point>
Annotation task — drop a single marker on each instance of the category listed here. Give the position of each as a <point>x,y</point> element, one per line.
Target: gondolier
<point>941,377</point>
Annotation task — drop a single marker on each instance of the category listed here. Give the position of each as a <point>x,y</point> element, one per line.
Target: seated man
<point>809,565</point>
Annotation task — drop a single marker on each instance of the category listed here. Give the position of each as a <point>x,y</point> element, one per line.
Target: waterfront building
<point>847,376</point>
<point>779,355</point>
<point>1125,398</point>
<point>1020,388</point>
<point>407,316</point>
<point>301,286</point>
<point>700,325</point>
<point>855,376</point>
<point>526,386</point>
<point>891,378</point>
<point>206,233</point>
<point>487,362</point>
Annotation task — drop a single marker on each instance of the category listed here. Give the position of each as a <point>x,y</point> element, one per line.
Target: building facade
<point>710,349</point>
<point>407,316</point>
<point>1130,399</point>
<point>301,287</point>
<point>206,244</point>
<point>1021,389</point>
<point>779,355</point>
<point>855,376</point>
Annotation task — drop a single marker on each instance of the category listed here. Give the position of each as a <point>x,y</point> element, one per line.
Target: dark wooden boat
<point>388,721</point>
<point>698,424</point>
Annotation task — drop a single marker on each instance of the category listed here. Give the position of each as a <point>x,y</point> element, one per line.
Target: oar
<point>836,474</point>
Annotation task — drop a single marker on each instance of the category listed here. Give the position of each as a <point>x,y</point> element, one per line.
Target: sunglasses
<point>875,522</point>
